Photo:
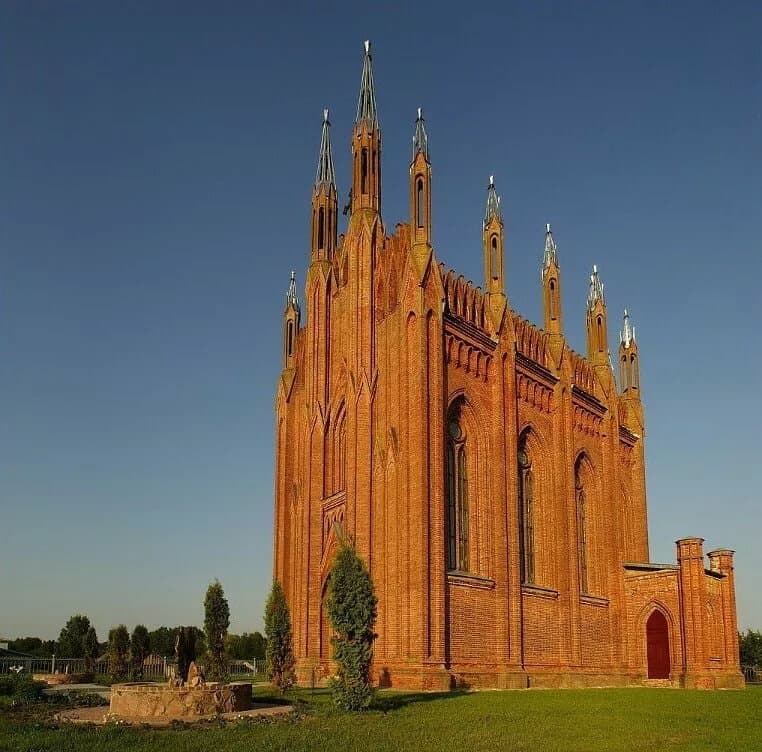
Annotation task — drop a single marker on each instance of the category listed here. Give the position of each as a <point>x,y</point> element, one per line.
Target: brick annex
<point>492,478</point>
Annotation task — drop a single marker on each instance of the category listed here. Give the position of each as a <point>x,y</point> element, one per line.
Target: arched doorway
<point>657,646</point>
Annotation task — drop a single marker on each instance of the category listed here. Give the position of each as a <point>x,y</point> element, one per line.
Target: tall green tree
<point>351,604</point>
<point>279,652</point>
<point>71,638</point>
<point>91,649</point>
<point>216,623</point>
<point>140,647</point>
<point>118,652</point>
<point>750,644</point>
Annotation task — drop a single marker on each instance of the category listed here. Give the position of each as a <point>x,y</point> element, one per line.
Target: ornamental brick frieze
<point>533,393</point>
<point>467,348</point>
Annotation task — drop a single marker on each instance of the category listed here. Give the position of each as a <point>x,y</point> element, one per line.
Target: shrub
<point>279,651</point>
<point>216,623</point>
<point>351,605</point>
<point>7,684</point>
<point>26,690</point>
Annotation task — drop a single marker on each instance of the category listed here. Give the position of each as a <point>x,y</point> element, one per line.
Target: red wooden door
<point>657,644</point>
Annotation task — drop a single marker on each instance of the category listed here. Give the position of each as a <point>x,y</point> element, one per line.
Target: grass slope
<point>611,720</point>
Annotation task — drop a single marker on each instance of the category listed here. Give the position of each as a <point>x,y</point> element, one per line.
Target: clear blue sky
<point>156,161</point>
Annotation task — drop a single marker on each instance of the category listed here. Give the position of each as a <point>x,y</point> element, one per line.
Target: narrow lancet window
<point>457,495</point>
<point>581,502</point>
<point>495,260</point>
<point>419,202</point>
<point>526,513</point>
<point>321,228</point>
<point>364,171</point>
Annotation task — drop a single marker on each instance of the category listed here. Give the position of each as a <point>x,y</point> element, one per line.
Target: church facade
<point>492,478</point>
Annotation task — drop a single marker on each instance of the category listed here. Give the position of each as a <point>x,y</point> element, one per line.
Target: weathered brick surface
<point>390,342</point>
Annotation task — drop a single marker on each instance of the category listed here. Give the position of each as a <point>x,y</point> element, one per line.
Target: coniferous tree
<point>351,604</point>
<point>90,649</point>
<point>216,623</point>
<point>185,650</point>
<point>140,647</point>
<point>118,652</point>
<point>279,652</point>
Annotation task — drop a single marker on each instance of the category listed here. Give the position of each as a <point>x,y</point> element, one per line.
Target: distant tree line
<point>126,653</point>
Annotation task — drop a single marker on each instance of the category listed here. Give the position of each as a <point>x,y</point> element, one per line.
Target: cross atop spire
<point>366,102</point>
<point>325,175</point>
<point>493,203</point>
<point>550,256</point>
<point>596,290</point>
<point>291,299</point>
<point>420,139</point>
<point>627,335</point>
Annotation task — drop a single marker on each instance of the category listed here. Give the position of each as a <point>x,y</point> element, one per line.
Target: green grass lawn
<point>610,719</point>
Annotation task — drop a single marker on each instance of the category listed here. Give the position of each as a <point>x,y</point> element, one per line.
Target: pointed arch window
<point>289,339</point>
<point>600,333</point>
<point>526,512</point>
<point>580,496</point>
<point>553,301</point>
<point>321,228</point>
<point>457,494</point>
<point>419,202</point>
<point>494,259</point>
<point>364,171</point>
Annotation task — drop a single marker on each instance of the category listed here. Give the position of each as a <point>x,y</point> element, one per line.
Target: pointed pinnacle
<point>291,298</point>
<point>366,102</point>
<point>550,255</point>
<point>627,335</point>
<point>420,137</point>
<point>325,175</point>
<point>596,290</point>
<point>493,203</point>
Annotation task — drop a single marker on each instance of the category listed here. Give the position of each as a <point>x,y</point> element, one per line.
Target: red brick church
<point>491,477</point>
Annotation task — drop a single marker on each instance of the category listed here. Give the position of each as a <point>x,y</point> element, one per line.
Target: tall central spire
<point>325,175</point>
<point>366,144</point>
<point>366,102</point>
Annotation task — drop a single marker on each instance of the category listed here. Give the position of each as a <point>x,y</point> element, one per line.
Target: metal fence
<point>154,667</point>
<point>752,674</point>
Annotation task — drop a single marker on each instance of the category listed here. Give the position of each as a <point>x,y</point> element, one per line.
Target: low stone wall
<point>146,700</point>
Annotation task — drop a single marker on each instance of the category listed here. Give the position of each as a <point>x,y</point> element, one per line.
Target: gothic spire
<point>366,102</point>
<point>291,298</point>
<point>596,290</point>
<point>550,256</point>
<point>627,335</point>
<point>493,203</point>
<point>420,139</point>
<point>325,175</point>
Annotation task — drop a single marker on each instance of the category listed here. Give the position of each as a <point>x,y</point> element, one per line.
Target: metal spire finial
<point>550,255</point>
<point>420,137</point>
<point>366,103</point>
<point>325,175</point>
<point>291,298</point>
<point>493,203</point>
<point>627,335</point>
<point>596,290</point>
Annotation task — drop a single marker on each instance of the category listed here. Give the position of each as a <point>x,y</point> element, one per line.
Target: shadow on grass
<point>387,702</point>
